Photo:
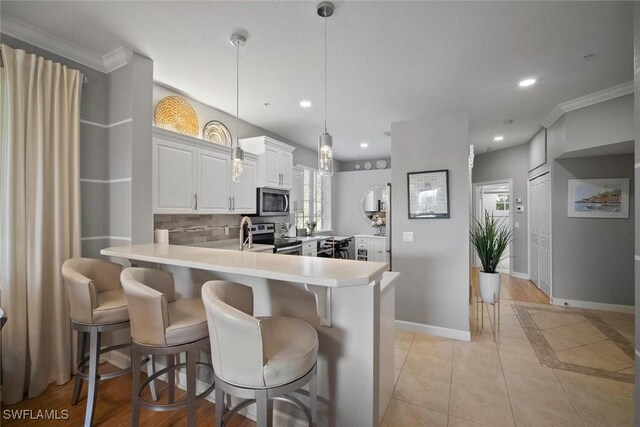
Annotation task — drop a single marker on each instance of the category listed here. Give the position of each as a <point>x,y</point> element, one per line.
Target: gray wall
<point>510,163</point>
<point>94,149</point>
<point>636,69</point>
<point>433,288</point>
<point>538,149</point>
<point>348,188</point>
<point>592,257</point>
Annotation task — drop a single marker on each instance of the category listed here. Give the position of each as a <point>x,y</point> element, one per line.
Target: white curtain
<point>39,218</point>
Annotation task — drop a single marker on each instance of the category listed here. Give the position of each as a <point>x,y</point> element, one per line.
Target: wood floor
<point>112,409</point>
<point>514,288</point>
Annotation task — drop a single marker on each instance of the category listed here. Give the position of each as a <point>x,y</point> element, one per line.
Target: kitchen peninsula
<point>350,303</point>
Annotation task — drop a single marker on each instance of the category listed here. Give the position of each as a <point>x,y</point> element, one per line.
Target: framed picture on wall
<point>598,198</point>
<point>428,194</point>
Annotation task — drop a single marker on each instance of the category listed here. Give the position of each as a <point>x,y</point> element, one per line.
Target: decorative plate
<point>381,164</point>
<point>368,165</point>
<point>357,166</point>
<point>176,114</point>
<point>217,133</point>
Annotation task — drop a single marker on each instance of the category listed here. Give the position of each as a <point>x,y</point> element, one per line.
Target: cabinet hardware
<point>229,199</point>
<point>195,197</point>
<point>233,203</point>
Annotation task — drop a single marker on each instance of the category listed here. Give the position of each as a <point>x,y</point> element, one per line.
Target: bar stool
<point>98,304</point>
<point>162,324</point>
<point>258,359</point>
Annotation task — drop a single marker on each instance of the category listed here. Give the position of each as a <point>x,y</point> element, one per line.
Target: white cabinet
<point>310,248</point>
<point>175,185</point>
<point>275,161</point>
<point>194,176</point>
<point>371,248</point>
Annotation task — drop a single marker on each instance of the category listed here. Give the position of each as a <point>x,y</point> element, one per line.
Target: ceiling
<point>387,61</point>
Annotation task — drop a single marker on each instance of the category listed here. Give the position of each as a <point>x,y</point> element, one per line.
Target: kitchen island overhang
<point>355,361</point>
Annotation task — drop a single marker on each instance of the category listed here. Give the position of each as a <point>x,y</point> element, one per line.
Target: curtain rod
<point>85,79</point>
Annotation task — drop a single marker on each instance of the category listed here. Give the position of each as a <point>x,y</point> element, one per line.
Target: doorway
<point>496,198</point>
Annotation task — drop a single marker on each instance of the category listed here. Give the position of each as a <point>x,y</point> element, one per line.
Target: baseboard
<point>118,358</point>
<point>437,331</point>
<point>593,305</point>
<point>520,275</point>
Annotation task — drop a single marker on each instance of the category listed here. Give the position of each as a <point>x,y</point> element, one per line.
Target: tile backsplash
<point>186,229</point>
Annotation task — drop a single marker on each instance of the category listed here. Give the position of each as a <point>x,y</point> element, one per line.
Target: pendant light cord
<point>325,73</point>
<point>237,92</point>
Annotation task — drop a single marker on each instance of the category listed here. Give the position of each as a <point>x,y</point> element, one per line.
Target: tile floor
<point>442,382</point>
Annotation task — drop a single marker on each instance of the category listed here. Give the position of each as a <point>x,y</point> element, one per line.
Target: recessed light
<point>527,82</point>
<point>305,103</point>
<point>364,145</point>
<point>498,138</point>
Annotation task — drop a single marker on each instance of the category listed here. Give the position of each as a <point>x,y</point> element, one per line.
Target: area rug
<point>605,356</point>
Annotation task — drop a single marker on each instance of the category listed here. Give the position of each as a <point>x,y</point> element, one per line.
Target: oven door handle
<point>289,248</point>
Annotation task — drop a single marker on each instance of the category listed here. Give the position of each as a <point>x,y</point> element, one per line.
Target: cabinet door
<point>271,168</point>
<point>244,192</point>
<point>173,178</point>
<point>214,177</point>
<point>285,164</point>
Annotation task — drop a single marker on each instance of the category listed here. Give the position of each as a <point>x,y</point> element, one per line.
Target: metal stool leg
<point>94,358</point>
<point>152,386</point>
<point>313,399</point>
<point>264,410</point>
<point>171,377</point>
<point>219,406</point>
<point>135,367</point>
<point>191,383</point>
<point>81,351</point>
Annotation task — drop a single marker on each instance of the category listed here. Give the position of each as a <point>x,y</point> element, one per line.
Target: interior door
<point>544,235</point>
<point>534,252</point>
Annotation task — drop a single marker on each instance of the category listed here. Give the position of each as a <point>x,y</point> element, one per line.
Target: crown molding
<point>35,36</point>
<point>587,100</point>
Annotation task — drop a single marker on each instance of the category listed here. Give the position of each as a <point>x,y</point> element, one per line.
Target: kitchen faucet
<point>246,220</point>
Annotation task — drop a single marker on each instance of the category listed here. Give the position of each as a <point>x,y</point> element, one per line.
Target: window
<point>502,202</point>
<point>316,201</point>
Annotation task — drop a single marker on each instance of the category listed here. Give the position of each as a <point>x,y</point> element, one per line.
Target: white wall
<point>433,288</point>
<point>348,188</point>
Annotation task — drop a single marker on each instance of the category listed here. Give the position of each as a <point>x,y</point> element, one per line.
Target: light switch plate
<point>516,225</point>
<point>407,236</point>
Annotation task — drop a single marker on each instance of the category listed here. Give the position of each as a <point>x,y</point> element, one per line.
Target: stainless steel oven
<point>272,202</point>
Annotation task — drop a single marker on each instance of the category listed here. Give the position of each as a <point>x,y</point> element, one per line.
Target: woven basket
<point>176,114</point>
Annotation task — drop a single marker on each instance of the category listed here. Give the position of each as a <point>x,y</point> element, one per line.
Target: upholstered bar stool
<point>258,359</point>
<point>162,324</point>
<point>98,304</point>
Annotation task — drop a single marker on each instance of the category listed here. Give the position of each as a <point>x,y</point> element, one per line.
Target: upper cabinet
<point>194,176</point>
<point>275,161</point>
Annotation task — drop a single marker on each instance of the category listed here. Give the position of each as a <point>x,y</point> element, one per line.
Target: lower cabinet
<point>371,248</point>
<point>310,248</point>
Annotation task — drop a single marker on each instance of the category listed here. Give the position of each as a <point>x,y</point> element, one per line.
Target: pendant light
<point>237,153</point>
<point>325,142</point>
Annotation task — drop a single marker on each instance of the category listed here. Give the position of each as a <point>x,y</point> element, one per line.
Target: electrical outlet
<point>226,230</point>
<point>407,236</point>
<point>516,225</point>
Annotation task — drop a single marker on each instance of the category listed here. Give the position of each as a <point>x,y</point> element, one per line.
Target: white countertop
<point>312,238</point>
<point>369,236</point>
<point>298,269</point>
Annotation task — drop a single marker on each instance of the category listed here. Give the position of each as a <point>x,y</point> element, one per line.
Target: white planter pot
<point>489,284</point>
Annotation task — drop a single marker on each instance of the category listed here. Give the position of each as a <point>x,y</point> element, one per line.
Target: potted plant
<point>490,240</point>
<point>378,222</point>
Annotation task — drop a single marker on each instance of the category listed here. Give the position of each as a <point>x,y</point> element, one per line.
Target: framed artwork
<point>428,194</point>
<point>598,198</point>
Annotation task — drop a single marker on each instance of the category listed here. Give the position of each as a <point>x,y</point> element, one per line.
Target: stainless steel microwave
<point>272,202</point>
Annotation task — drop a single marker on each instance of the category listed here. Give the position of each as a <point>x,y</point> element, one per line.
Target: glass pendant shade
<point>237,164</point>
<point>325,154</point>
